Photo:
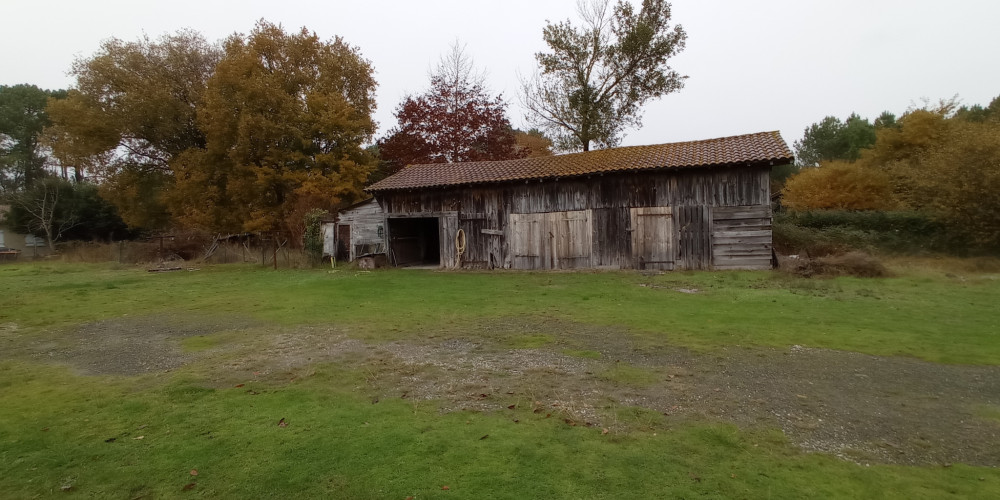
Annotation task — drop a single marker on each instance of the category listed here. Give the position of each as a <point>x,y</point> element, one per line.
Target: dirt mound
<point>857,264</point>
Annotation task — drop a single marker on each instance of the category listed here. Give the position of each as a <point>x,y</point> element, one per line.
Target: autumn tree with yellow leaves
<point>285,116</point>
<point>245,135</point>
<point>839,186</point>
<point>941,160</point>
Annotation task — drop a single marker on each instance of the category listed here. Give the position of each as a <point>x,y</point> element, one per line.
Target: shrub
<point>839,186</point>
<point>825,232</point>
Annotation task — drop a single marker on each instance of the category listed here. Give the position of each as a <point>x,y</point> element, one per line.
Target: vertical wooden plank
<point>554,233</point>
<point>540,241</point>
<point>448,227</point>
<point>637,247</point>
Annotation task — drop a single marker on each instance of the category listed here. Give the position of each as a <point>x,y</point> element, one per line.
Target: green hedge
<point>834,231</point>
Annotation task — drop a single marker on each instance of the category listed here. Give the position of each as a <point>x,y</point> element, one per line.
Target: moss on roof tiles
<point>735,150</point>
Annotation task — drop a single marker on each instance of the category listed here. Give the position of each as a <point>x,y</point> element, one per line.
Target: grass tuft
<point>626,374</point>
<point>582,353</point>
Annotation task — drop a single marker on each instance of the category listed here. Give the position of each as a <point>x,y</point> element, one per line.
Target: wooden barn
<point>688,205</point>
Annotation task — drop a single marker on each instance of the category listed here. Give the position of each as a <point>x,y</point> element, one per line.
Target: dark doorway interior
<point>415,242</point>
<point>343,243</point>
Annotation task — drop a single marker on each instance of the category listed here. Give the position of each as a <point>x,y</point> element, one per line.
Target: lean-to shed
<point>356,231</point>
<point>688,205</point>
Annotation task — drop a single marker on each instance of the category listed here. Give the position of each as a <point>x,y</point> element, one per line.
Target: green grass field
<point>946,318</point>
<point>180,434</point>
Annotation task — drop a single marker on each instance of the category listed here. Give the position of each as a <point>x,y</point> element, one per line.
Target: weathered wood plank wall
<point>365,221</point>
<point>487,214</point>
<point>741,237</point>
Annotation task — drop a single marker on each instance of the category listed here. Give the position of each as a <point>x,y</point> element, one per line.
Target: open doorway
<point>415,242</point>
<point>343,242</point>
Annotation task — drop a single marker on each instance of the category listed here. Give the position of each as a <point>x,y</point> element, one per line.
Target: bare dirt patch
<point>122,346</point>
<point>867,409</point>
<point>859,407</point>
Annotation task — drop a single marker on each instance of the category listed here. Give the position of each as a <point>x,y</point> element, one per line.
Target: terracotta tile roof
<point>724,151</point>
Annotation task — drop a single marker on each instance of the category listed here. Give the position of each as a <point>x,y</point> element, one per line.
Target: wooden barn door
<point>652,238</point>
<point>553,240</point>
<point>572,237</point>
<point>526,244</point>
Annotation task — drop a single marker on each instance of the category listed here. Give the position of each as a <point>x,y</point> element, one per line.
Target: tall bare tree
<point>47,208</point>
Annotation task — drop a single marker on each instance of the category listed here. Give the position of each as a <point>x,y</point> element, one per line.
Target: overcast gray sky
<point>753,65</point>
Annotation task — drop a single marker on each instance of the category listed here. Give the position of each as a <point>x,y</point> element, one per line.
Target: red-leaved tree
<point>455,120</point>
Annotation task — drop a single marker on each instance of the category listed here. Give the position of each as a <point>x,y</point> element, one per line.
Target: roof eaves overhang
<point>555,178</point>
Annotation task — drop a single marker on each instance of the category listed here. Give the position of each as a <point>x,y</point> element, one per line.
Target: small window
<point>31,240</point>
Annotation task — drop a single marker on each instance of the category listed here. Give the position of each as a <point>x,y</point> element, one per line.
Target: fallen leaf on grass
<point>511,407</point>
<point>139,437</point>
<point>282,423</point>
<point>110,440</point>
<point>189,487</point>
<point>194,472</point>
<point>484,437</point>
<point>604,431</point>
<point>239,385</point>
<point>445,488</point>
